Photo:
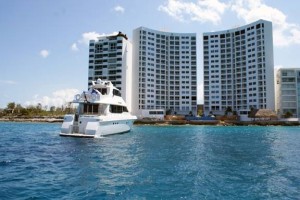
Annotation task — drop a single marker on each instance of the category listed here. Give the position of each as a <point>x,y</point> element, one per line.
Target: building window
<point>112,46</point>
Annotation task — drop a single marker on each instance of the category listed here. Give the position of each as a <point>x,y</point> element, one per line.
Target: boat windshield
<point>103,91</point>
<point>117,109</point>
<point>92,109</point>
<point>88,108</point>
<point>116,92</point>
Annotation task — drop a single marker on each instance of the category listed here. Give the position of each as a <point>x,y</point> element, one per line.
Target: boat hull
<point>107,129</point>
<point>90,128</point>
<point>78,135</point>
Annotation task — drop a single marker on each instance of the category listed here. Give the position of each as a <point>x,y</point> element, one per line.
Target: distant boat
<point>101,111</point>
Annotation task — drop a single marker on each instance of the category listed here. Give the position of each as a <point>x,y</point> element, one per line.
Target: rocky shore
<point>59,119</point>
<point>32,119</point>
<point>218,123</point>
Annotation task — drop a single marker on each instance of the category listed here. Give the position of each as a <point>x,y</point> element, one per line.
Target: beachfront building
<point>110,58</point>
<point>165,72</point>
<point>288,92</point>
<point>239,69</point>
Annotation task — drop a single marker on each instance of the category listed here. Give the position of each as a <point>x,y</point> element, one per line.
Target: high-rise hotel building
<point>288,91</point>
<point>164,71</point>
<point>239,68</point>
<point>110,58</point>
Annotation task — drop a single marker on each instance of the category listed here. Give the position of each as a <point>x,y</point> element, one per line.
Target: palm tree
<point>11,107</point>
<point>228,110</point>
<point>288,114</point>
<point>19,108</point>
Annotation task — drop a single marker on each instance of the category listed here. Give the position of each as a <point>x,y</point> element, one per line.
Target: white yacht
<point>101,111</point>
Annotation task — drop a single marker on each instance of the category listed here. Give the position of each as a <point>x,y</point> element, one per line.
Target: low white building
<point>288,92</point>
<point>153,114</point>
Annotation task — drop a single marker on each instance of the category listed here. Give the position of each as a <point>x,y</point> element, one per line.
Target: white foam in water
<point>98,136</point>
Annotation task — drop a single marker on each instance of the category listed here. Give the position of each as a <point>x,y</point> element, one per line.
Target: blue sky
<point>43,44</point>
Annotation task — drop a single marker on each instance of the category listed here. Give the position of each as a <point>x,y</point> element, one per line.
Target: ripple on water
<point>150,162</point>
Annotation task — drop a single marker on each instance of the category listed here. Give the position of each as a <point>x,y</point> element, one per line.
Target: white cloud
<point>44,53</point>
<point>74,47</point>
<point>201,10</point>
<point>86,37</point>
<point>284,33</point>
<point>85,40</point>
<point>7,82</point>
<point>119,9</point>
<point>57,99</point>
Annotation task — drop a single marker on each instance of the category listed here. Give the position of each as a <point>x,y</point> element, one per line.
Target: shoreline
<point>33,119</point>
<point>217,123</point>
<point>165,122</point>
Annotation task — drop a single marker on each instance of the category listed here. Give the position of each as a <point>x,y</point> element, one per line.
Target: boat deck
<point>78,135</point>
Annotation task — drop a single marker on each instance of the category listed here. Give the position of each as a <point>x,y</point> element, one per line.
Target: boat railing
<point>86,96</point>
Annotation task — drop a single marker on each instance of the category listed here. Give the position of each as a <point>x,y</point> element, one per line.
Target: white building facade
<point>288,91</point>
<point>110,58</point>
<point>238,69</point>
<point>164,72</point>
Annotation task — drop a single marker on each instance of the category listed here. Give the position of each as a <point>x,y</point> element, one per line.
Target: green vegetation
<point>16,110</point>
<point>228,110</point>
<point>288,114</point>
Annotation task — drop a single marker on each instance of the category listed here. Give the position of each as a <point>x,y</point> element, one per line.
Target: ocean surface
<point>150,162</point>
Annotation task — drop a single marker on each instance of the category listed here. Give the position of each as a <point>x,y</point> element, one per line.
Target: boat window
<point>103,91</point>
<point>102,108</point>
<point>116,92</point>
<point>90,108</point>
<point>117,109</point>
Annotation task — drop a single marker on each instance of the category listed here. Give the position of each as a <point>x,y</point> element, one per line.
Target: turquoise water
<point>150,162</point>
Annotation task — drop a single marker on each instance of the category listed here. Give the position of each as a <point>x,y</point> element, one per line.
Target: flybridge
<point>97,89</point>
<point>102,83</point>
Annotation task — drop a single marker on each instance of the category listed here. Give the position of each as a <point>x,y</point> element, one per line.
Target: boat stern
<point>82,127</point>
<point>67,125</point>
